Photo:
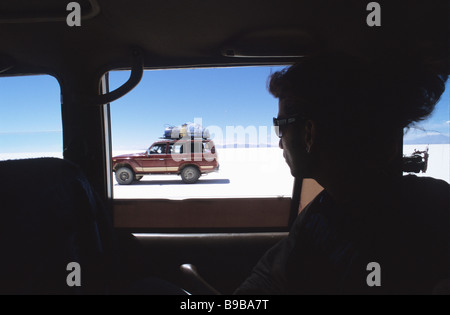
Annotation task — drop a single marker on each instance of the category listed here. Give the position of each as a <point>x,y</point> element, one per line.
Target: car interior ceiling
<point>161,34</point>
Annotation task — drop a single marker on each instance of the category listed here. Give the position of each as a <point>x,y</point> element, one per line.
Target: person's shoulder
<point>426,187</point>
<point>424,180</point>
<point>427,199</point>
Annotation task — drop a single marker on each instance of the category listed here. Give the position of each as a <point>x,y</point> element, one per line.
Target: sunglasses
<point>280,123</point>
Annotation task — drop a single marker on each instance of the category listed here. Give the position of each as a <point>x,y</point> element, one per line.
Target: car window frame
<point>291,212</point>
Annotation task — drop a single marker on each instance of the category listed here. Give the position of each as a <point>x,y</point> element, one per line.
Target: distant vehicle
<point>416,162</point>
<point>189,158</point>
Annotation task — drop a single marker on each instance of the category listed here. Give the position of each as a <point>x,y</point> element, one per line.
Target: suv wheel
<point>190,174</point>
<point>124,176</point>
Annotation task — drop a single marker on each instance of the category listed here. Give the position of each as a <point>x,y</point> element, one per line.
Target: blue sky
<point>30,114</point>
<point>439,121</point>
<point>220,97</point>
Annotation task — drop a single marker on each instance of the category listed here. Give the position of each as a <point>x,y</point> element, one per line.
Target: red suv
<point>188,158</point>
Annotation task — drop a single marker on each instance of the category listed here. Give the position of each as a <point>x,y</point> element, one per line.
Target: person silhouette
<point>340,121</point>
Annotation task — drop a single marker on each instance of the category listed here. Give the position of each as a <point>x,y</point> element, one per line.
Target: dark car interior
<point>65,210</point>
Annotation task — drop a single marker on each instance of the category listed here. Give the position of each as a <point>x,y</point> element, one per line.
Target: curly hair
<point>340,88</point>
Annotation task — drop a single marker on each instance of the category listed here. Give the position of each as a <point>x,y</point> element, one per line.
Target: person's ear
<point>310,135</point>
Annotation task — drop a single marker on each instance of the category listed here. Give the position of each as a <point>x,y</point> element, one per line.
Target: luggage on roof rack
<point>186,130</point>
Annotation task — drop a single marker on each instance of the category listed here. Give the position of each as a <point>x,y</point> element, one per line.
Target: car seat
<point>50,217</point>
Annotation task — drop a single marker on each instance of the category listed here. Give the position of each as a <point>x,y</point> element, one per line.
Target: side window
<point>208,147</point>
<point>30,117</point>
<point>426,145</point>
<point>158,149</point>
<point>175,148</point>
<point>227,170</point>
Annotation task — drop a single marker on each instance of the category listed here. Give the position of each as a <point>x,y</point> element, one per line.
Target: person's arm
<point>268,275</point>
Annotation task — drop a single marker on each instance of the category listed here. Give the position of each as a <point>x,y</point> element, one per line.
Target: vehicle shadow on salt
<point>180,182</point>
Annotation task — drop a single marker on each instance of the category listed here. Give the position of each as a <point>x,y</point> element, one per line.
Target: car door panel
<point>224,260</point>
<point>155,162</point>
